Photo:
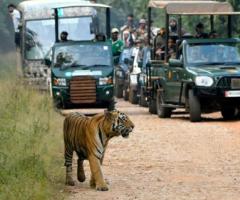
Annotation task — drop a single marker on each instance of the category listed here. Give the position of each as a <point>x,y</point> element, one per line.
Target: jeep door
<point>173,77</point>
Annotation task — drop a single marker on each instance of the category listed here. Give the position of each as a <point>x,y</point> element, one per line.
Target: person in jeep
<point>63,36</point>
<point>117,44</point>
<point>200,31</point>
<point>173,26</point>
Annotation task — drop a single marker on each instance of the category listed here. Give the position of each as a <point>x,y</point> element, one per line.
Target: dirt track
<point>170,159</point>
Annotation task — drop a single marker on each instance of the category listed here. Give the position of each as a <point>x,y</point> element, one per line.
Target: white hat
<point>115,30</point>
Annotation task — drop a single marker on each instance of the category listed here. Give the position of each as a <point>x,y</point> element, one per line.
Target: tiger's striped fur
<point>89,137</point>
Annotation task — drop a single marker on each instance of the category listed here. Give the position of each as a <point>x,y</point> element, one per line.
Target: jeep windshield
<point>40,34</point>
<point>82,55</point>
<point>213,54</point>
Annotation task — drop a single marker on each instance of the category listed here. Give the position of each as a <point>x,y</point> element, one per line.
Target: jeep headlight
<point>105,81</point>
<point>59,82</point>
<point>204,81</point>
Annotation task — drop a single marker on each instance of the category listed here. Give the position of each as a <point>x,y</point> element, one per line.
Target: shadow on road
<point>215,117</point>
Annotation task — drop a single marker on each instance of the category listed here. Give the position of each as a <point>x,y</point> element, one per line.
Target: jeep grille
<point>83,90</point>
<point>229,83</point>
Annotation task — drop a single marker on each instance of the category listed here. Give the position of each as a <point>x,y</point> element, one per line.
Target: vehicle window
<point>40,34</point>
<point>82,55</point>
<point>74,27</point>
<point>39,37</point>
<point>225,53</point>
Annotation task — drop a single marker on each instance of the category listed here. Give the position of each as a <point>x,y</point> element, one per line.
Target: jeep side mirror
<point>47,62</point>
<point>175,63</point>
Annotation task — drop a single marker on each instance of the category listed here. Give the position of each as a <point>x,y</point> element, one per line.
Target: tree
<point>120,10</point>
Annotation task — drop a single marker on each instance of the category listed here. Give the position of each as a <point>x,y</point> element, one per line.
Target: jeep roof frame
<point>190,7</point>
<point>81,4</point>
<point>36,9</point>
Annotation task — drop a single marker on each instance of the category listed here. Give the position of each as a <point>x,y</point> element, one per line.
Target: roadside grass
<point>31,144</point>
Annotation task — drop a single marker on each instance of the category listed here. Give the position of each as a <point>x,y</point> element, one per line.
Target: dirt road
<point>170,159</point>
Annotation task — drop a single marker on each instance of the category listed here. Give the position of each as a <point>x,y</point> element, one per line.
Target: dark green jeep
<point>82,68</point>
<point>82,73</point>
<point>205,78</point>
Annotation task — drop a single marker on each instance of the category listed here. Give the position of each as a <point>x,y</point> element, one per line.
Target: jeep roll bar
<point>190,7</point>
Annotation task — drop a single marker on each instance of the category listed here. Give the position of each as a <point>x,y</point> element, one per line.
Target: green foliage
<point>139,8</point>
<point>120,10</point>
<point>31,159</point>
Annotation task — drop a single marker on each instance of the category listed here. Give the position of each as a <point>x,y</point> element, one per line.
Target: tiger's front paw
<point>70,182</point>
<point>92,183</point>
<point>81,177</point>
<point>102,187</point>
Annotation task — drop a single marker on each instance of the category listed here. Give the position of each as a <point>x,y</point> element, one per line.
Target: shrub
<point>31,158</point>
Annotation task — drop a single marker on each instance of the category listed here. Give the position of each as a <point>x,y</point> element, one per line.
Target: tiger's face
<point>120,123</point>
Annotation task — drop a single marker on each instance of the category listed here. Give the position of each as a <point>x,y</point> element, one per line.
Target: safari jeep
<point>82,69</point>
<point>205,78</point>
<point>130,86</point>
<point>82,73</point>
<point>122,70</point>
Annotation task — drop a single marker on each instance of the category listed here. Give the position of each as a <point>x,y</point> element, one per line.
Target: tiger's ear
<point>110,114</point>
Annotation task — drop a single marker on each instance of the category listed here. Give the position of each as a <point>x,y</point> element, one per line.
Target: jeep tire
<point>119,91</point>
<point>133,96</point>
<point>162,112</point>
<point>152,106</point>
<point>125,94</point>
<point>142,98</point>
<point>194,107</point>
<point>111,105</point>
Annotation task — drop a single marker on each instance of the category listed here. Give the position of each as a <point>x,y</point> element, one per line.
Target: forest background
<point>120,10</point>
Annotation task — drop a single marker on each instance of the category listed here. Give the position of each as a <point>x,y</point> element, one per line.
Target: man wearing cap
<point>130,22</point>
<point>142,30</point>
<point>117,44</point>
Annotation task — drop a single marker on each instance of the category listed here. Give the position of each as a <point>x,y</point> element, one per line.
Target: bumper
<point>104,94</point>
<point>218,95</point>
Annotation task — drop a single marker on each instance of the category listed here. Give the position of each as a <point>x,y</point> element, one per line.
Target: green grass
<point>31,143</point>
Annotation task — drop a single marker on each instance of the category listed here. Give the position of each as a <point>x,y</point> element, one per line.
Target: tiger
<point>89,137</point>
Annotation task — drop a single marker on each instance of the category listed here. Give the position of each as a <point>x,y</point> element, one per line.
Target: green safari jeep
<point>205,78</point>
<point>82,74</point>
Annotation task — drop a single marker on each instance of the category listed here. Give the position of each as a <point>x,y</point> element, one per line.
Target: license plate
<point>235,93</point>
<point>235,83</point>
